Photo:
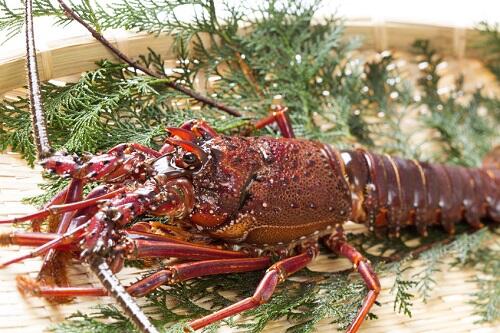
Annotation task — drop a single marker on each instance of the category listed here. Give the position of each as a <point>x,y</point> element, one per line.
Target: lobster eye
<point>188,161</point>
<point>189,158</point>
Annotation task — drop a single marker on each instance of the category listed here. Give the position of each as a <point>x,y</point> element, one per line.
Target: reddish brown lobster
<point>257,196</point>
<point>253,193</point>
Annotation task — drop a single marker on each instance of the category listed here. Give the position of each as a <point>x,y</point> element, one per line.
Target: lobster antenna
<point>115,288</point>
<point>39,124</point>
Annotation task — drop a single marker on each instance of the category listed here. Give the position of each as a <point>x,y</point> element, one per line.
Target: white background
<point>456,13</point>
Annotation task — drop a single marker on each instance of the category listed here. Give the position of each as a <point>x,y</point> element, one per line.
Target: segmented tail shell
<point>395,192</point>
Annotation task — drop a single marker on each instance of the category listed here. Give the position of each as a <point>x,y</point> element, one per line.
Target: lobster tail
<point>491,169</point>
<point>392,192</point>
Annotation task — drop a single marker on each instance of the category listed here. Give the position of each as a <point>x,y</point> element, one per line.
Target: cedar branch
<point>193,94</point>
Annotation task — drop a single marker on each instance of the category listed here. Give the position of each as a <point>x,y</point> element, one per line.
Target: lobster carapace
<point>263,190</point>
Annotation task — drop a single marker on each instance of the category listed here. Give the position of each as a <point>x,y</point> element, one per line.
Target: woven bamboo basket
<point>448,309</point>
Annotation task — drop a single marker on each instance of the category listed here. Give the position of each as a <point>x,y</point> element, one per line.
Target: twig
<point>199,97</point>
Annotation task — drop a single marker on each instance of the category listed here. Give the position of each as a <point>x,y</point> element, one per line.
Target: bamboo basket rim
<point>74,55</point>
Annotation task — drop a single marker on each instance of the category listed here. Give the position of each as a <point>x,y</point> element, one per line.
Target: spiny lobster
<point>259,197</point>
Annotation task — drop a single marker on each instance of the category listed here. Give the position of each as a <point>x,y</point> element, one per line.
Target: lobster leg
<point>200,128</point>
<point>82,215</point>
<point>57,199</point>
<point>50,268</point>
<point>274,275</point>
<point>168,276</point>
<point>57,209</point>
<point>117,162</point>
<point>280,116</point>
<point>64,239</point>
<point>182,272</point>
<point>167,249</point>
<point>23,238</point>
<point>121,148</point>
<point>337,244</point>
<point>145,247</point>
<point>52,241</point>
<point>53,269</point>
<point>75,194</point>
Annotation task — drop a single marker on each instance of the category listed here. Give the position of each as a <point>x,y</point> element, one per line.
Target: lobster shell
<point>396,192</point>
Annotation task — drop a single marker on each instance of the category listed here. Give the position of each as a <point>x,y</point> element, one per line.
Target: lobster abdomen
<point>393,192</point>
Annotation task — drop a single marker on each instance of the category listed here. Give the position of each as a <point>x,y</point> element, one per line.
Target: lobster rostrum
<point>239,201</point>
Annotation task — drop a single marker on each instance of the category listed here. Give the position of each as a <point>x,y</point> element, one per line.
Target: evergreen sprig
<point>387,102</point>
<point>12,18</point>
<point>251,55</point>
<point>463,134</point>
<point>486,299</point>
<point>489,46</point>
<point>15,128</point>
<point>402,288</point>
